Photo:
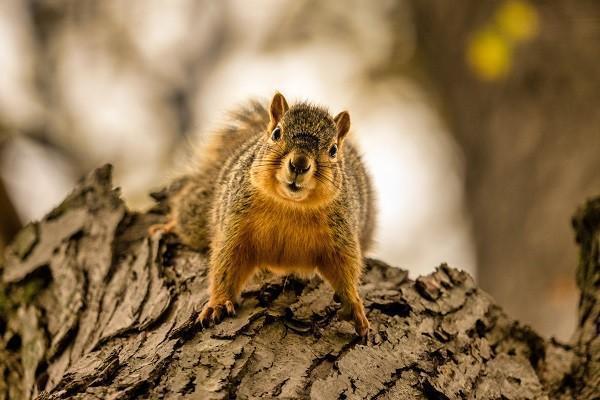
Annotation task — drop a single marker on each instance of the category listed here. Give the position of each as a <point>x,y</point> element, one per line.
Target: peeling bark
<point>91,307</point>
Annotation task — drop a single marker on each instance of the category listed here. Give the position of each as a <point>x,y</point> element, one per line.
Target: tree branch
<point>93,308</point>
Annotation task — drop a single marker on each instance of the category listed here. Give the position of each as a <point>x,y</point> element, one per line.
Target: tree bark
<point>91,307</point>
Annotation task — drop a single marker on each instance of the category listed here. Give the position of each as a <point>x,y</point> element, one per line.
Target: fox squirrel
<point>283,190</point>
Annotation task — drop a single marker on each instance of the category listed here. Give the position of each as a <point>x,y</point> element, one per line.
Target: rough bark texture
<point>531,145</point>
<point>93,308</point>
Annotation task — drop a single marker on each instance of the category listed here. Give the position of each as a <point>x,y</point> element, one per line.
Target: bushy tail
<point>192,204</point>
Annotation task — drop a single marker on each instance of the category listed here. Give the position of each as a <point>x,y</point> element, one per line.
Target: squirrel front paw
<point>215,311</point>
<point>356,313</point>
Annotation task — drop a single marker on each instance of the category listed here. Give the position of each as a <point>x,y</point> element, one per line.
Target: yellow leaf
<point>489,54</point>
<point>518,20</point>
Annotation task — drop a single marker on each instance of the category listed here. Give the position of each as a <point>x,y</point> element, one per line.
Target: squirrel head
<point>300,159</point>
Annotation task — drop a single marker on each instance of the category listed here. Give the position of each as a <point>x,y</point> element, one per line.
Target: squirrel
<point>281,189</point>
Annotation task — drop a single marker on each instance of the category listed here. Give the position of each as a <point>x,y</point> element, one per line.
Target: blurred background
<point>478,120</point>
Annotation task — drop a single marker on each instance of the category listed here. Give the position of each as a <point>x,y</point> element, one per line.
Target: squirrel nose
<point>299,164</point>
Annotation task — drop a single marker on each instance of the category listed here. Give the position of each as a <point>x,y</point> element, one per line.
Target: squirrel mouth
<point>290,189</point>
<point>293,187</point>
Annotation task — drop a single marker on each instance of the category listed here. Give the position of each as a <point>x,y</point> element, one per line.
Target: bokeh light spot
<point>518,20</point>
<point>489,54</point>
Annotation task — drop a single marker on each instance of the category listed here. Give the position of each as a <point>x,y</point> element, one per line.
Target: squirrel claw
<point>230,307</point>
<point>217,315</point>
<point>204,317</point>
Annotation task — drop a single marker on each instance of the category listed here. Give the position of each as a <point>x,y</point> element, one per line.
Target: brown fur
<point>253,211</point>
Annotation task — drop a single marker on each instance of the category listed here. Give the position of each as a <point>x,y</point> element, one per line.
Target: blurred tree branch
<point>10,223</point>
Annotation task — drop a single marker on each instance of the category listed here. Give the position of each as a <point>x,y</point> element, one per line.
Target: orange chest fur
<point>283,240</point>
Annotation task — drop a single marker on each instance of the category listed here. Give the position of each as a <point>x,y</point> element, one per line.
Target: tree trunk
<point>531,145</point>
<point>94,308</point>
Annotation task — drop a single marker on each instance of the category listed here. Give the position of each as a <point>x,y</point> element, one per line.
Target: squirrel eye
<point>333,151</point>
<point>276,135</point>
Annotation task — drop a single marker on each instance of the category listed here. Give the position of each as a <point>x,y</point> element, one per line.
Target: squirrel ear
<point>278,107</point>
<point>342,122</point>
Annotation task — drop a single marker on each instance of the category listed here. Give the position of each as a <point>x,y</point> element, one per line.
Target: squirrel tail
<point>192,204</point>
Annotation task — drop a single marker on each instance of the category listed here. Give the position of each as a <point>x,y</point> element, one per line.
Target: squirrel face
<point>299,162</point>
